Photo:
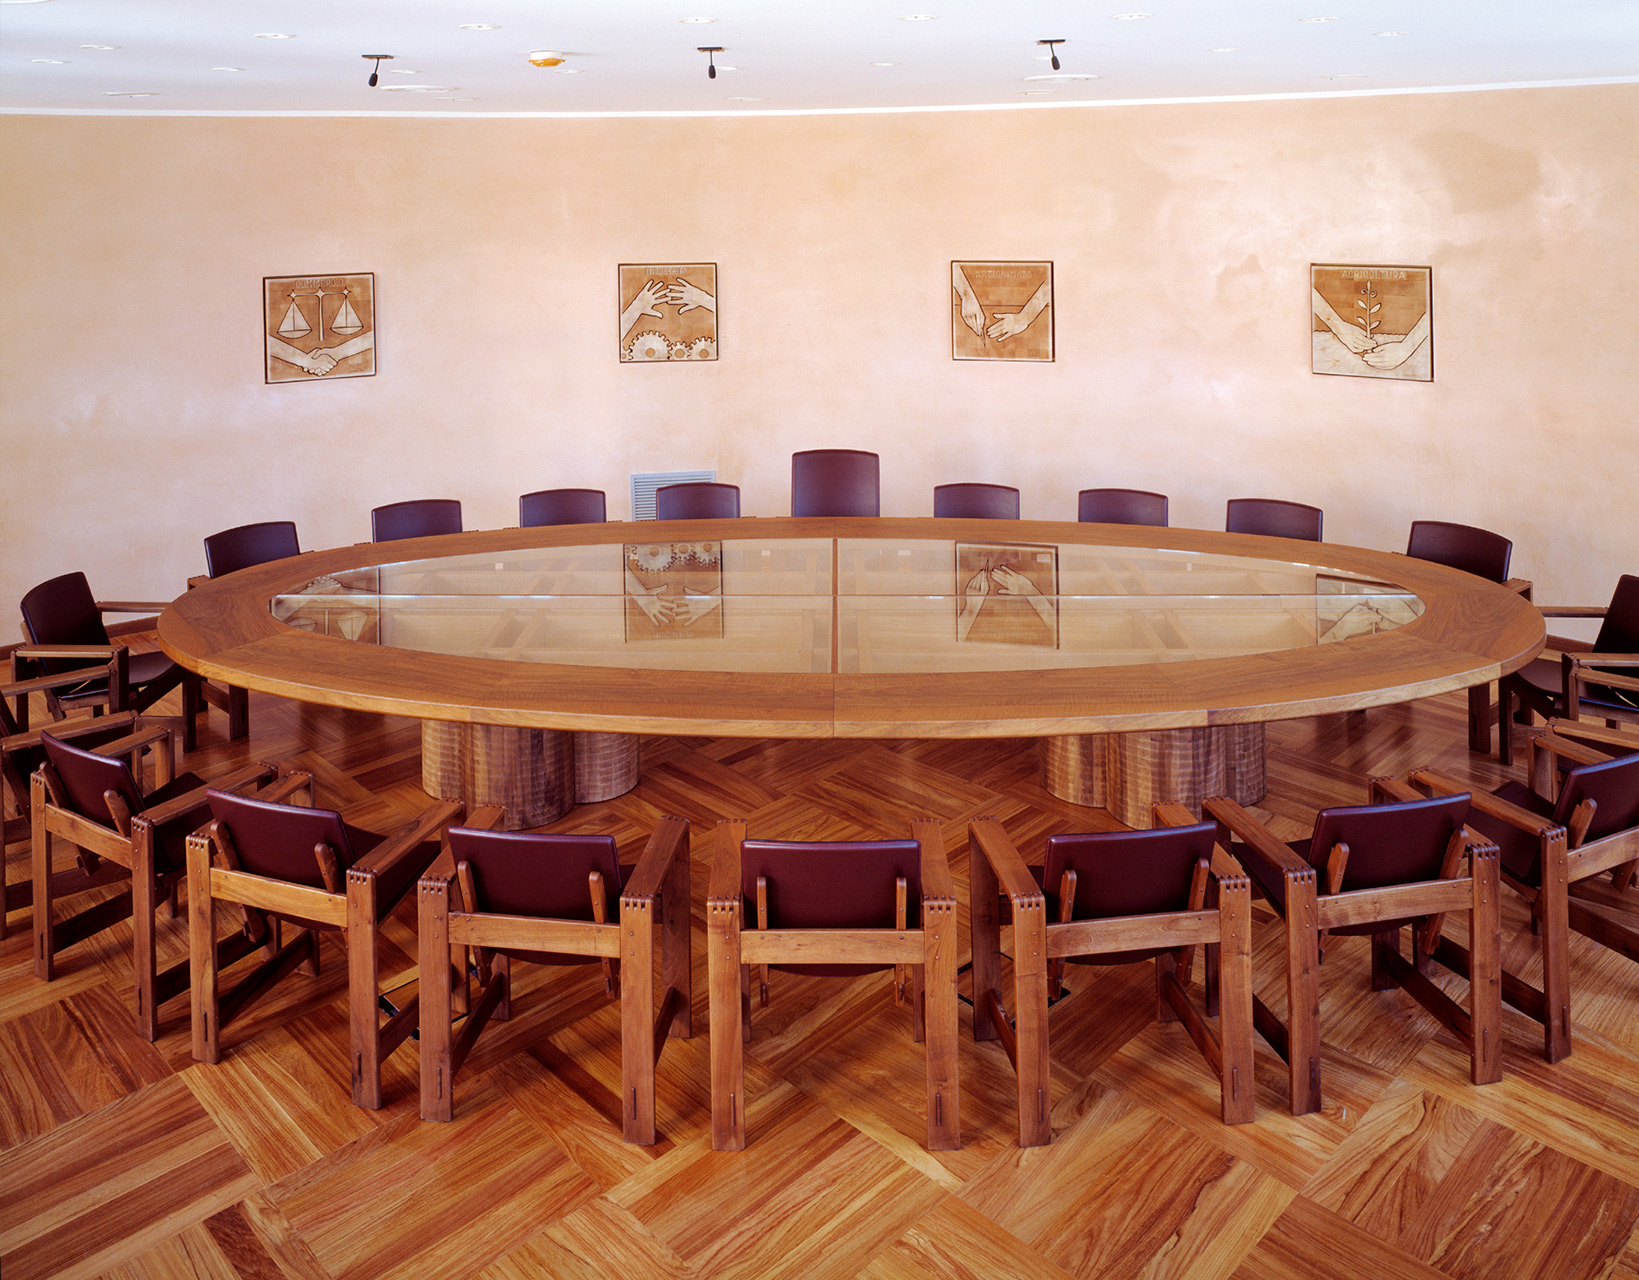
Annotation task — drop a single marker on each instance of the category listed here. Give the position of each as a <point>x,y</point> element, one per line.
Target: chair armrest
<point>132,606</point>
<point>287,784</point>
<point>138,738</point>
<point>936,881</point>
<point>724,885</point>
<point>1572,610</point>
<point>96,653</point>
<point>1394,790</point>
<point>1173,815</point>
<point>1576,752</point>
<point>433,819</point>
<point>1533,823</point>
<point>1520,586</point>
<point>1591,731</point>
<point>79,727</point>
<point>179,805</point>
<point>1259,842</point>
<point>669,840</point>
<point>986,835</point>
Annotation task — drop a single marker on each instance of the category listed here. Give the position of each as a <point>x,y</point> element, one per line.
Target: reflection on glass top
<point>884,605</point>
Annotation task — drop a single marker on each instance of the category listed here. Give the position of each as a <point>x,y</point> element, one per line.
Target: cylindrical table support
<point>1128,772</point>
<point>606,764</point>
<point>529,772</point>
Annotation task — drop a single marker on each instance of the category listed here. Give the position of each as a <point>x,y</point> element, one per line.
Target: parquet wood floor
<point>120,1158</point>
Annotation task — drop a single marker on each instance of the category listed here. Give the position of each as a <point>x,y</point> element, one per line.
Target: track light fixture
<point>375,71</point>
<point>1052,51</point>
<point>711,51</point>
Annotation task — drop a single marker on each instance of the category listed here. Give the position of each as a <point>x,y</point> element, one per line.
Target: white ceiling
<point>638,56</point>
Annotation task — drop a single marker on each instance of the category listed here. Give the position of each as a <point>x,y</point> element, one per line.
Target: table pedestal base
<point>536,775</point>
<point>1128,772</point>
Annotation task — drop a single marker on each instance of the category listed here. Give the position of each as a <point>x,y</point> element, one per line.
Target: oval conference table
<point>1146,660</point>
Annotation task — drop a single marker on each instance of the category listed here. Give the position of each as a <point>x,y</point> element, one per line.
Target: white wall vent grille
<point>644,483</point>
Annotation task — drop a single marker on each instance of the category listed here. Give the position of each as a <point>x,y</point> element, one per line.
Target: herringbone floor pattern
<point>122,1158</point>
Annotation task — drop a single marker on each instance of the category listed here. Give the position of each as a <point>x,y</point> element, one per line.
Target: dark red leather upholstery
<point>976,501</point>
<point>1122,506</point>
<point>519,873</point>
<point>836,482</point>
<point>1618,633</point>
<point>697,500</point>
<point>62,610</point>
<point>562,506</point>
<point>1461,546</point>
<point>420,518</point>
<point>250,544</point>
<point>1274,518</point>
<point>1614,788</point>
<point>86,776</point>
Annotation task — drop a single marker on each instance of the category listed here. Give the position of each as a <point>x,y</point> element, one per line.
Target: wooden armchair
<point>1600,680</point>
<point>290,863</point>
<point>1553,852</point>
<point>65,631</point>
<point>832,909</point>
<point>1371,869</point>
<point>555,899</point>
<point>92,800</point>
<point>1114,897</point>
<point>229,551</point>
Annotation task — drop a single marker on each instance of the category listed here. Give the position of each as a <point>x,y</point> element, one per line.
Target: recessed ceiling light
<point>1228,48</point>
<point>50,62</point>
<point>125,93</point>
<point>416,88</point>
<point>918,17</point>
<point>697,22</point>
<point>227,68</point>
<point>570,71</point>
<point>1317,19</point>
<point>402,71</point>
<point>724,67</point>
<point>1391,33</point>
<point>1128,17</point>
<point>102,48</point>
<point>478,26</point>
<point>884,64</point>
<point>746,99</point>
<point>1061,75</point>
<point>274,35</point>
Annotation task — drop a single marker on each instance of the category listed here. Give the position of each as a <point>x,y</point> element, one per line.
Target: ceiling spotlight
<point>274,35</point>
<point>227,68</point>
<point>478,26</point>
<point>375,71</point>
<point>711,51</point>
<point>102,48</point>
<point>1053,54</point>
<point>884,64</point>
<point>546,58</point>
<point>1228,48</point>
<point>50,62</point>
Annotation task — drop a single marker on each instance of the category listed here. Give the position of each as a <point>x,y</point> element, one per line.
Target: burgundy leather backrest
<point>1461,546</point>
<point>250,544</point>
<point>1128,873</point>
<point>27,759</point>
<point>62,611</point>
<point>1122,506</point>
<point>836,482</point>
<point>562,506</point>
<point>1619,632</point>
<point>1389,843</point>
<point>831,884</point>
<point>976,501</point>
<point>86,775</point>
<point>1613,786</point>
<point>518,873</point>
<point>697,500</point>
<point>421,518</point>
<point>1274,518</point>
<point>277,840</point>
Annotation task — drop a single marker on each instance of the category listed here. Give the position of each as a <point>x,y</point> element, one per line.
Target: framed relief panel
<point>1007,593</point>
<point>1001,310</point>
<point>319,327</point>
<point>668,311</point>
<point>1372,322</point>
<point>674,590</point>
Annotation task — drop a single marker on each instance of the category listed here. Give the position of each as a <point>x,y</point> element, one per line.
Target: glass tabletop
<point>846,605</point>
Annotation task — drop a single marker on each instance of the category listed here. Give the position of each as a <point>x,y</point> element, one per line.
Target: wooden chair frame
<point>655,898</point>
<point>129,846</point>
<point>731,949</point>
<point>1039,945</point>
<point>1576,662</point>
<point>1311,913</point>
<point>347,905</point>
<point>1568,898</point>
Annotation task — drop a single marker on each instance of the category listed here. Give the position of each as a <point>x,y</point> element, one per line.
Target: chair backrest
<point>1128,873</point>
<point>1122,506</point>
<point>1612,785</point>
<point>419,518</point>
<point>1389,844</point>
<point>86,776</point>
<point>278,840</point>
<point>1274,518</point>
<point>562,506</point>
<point>1619,632</point>
<point>22,761</point>
<point>831,885</point>
<point>836,482</point>
<point>520,873</point>
<point>696,500</point>
<point>976,501</point>
<point>1461,546</point>
<point>61,610</point>
<point>250,544</point>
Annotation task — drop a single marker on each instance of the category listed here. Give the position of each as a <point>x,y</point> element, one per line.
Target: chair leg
<point>1553,903</point>
<point>145,901</point>
<point>676,953</point>
<point>1166,965</point>
<point>1303,994</point>
<point>725,1000</point>
<point>437,997</point>
<point>1230,976</point>
<point>1030,1024</point>
<point>944,1086</point>
<point>203,978</point>
<point>985,935</point>
<point>363,984</point>
<point>40,864</point>
<point>1485,967</point>
<point>238,712</point>
<point>637,1019</point>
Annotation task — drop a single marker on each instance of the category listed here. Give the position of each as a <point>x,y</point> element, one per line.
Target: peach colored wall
<point>135,420</point>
